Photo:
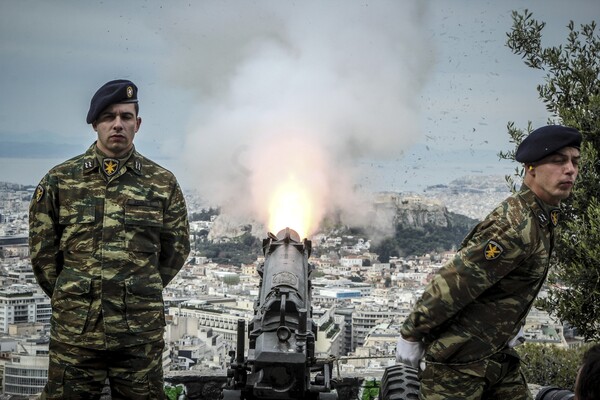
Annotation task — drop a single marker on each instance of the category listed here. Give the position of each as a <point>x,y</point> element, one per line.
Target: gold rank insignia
<point>492,250</point>
<point>39,193</point>
<point>554,215</point>
<point>110,166</point>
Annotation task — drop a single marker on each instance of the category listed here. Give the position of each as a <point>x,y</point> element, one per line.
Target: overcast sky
<point>390,94</point>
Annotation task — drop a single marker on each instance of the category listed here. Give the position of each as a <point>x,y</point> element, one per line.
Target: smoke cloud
<point>302,90</point>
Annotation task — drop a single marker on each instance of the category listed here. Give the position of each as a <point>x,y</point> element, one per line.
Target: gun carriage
<point>281,362</point>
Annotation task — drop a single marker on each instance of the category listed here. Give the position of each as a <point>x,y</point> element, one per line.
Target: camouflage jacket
<point>104,248</point>
<point>479,300</point>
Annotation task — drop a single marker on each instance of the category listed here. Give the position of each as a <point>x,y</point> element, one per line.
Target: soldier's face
<point>553,177</point>
<point>116,127</point>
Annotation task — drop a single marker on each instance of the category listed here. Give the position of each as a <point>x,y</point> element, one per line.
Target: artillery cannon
<point>281,362</point>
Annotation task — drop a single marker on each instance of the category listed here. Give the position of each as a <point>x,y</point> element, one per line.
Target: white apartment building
<point>21,273</point>
<point>14,245</point>
<point>26,371</point>
<point>366,317</point>
<point>21,304</point>
<point>330,336</point>
<point>190,321</point>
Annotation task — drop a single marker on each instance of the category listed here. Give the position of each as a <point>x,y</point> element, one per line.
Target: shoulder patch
<point>492,250</point>
<point>39,193</point>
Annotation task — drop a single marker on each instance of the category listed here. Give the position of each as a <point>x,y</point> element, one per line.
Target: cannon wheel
<point>399,382</point>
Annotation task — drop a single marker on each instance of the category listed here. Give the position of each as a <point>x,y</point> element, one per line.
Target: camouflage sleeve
<point>174,237</point>
<point>492,250</point>
<point>44,234</point>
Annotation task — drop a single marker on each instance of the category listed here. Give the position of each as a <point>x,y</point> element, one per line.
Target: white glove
<point>518,339</point>
<point>409,353</point>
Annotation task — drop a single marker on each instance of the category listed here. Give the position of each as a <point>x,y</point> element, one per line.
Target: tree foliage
<point>370,389</point>
<point>571,93</point>
<point>551,365</point>
<point>242,250</point>
<point>231,280</point>
<point>205,214</point>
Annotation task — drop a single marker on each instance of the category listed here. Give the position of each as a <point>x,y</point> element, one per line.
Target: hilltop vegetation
<point>411,240</point>
<point>414,233</point>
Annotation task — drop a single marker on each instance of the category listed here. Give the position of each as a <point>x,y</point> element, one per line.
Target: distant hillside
<point>473,196</point>
<point>401,225</point>
<point>421,226</point>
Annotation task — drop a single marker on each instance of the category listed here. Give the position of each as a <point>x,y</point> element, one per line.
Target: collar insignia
<point>542,217</point>
<point>554,216</point>
<point>492,250</point>
<point>39,193</point>
<point>110,166</point>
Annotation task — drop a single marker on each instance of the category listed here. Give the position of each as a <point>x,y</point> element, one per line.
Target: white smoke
<point>297,88</point>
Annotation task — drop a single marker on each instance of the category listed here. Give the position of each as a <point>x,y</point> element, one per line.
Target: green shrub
<point>551,365</point>
<point>370,390</point>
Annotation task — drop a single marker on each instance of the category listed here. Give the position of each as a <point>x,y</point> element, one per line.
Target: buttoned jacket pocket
<point>144,303</point>
<point>77,222</point>
<point>143,213</point>
<point>71,302</point>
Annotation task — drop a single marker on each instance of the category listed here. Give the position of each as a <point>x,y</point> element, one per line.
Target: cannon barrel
<point>281,360</point>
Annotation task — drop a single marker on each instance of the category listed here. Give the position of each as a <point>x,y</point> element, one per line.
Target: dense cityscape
<point>358,302</point>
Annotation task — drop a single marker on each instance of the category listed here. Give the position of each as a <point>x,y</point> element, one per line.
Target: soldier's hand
<point>409,352</point>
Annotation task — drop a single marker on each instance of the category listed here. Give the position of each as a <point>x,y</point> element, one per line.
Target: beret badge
<point>129,92</point>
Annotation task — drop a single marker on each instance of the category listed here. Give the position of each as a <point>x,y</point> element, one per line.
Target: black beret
<point>113,92</point>
<point>546,140</point>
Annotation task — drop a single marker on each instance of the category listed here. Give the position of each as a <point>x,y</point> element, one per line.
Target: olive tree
<point>571,93</point>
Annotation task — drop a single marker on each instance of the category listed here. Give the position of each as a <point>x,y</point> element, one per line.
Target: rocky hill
<point>410,210</point>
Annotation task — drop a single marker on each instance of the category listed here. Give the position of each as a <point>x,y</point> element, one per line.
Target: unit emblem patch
<point>110,166</point>
<point>39,193</point>
<point>492,250</point>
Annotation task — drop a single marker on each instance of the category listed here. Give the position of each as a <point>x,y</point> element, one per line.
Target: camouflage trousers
<point>499,377</point>
<point>134,373</point>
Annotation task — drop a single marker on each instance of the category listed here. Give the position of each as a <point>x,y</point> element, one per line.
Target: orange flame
<point>290,207</point>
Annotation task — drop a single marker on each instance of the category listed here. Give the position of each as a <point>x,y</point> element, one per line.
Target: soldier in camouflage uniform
<point>462,331</point>
<point>108,231</point>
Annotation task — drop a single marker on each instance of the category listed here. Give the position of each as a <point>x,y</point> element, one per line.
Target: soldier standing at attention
<point>108,231</point>
<point>462,331</point>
